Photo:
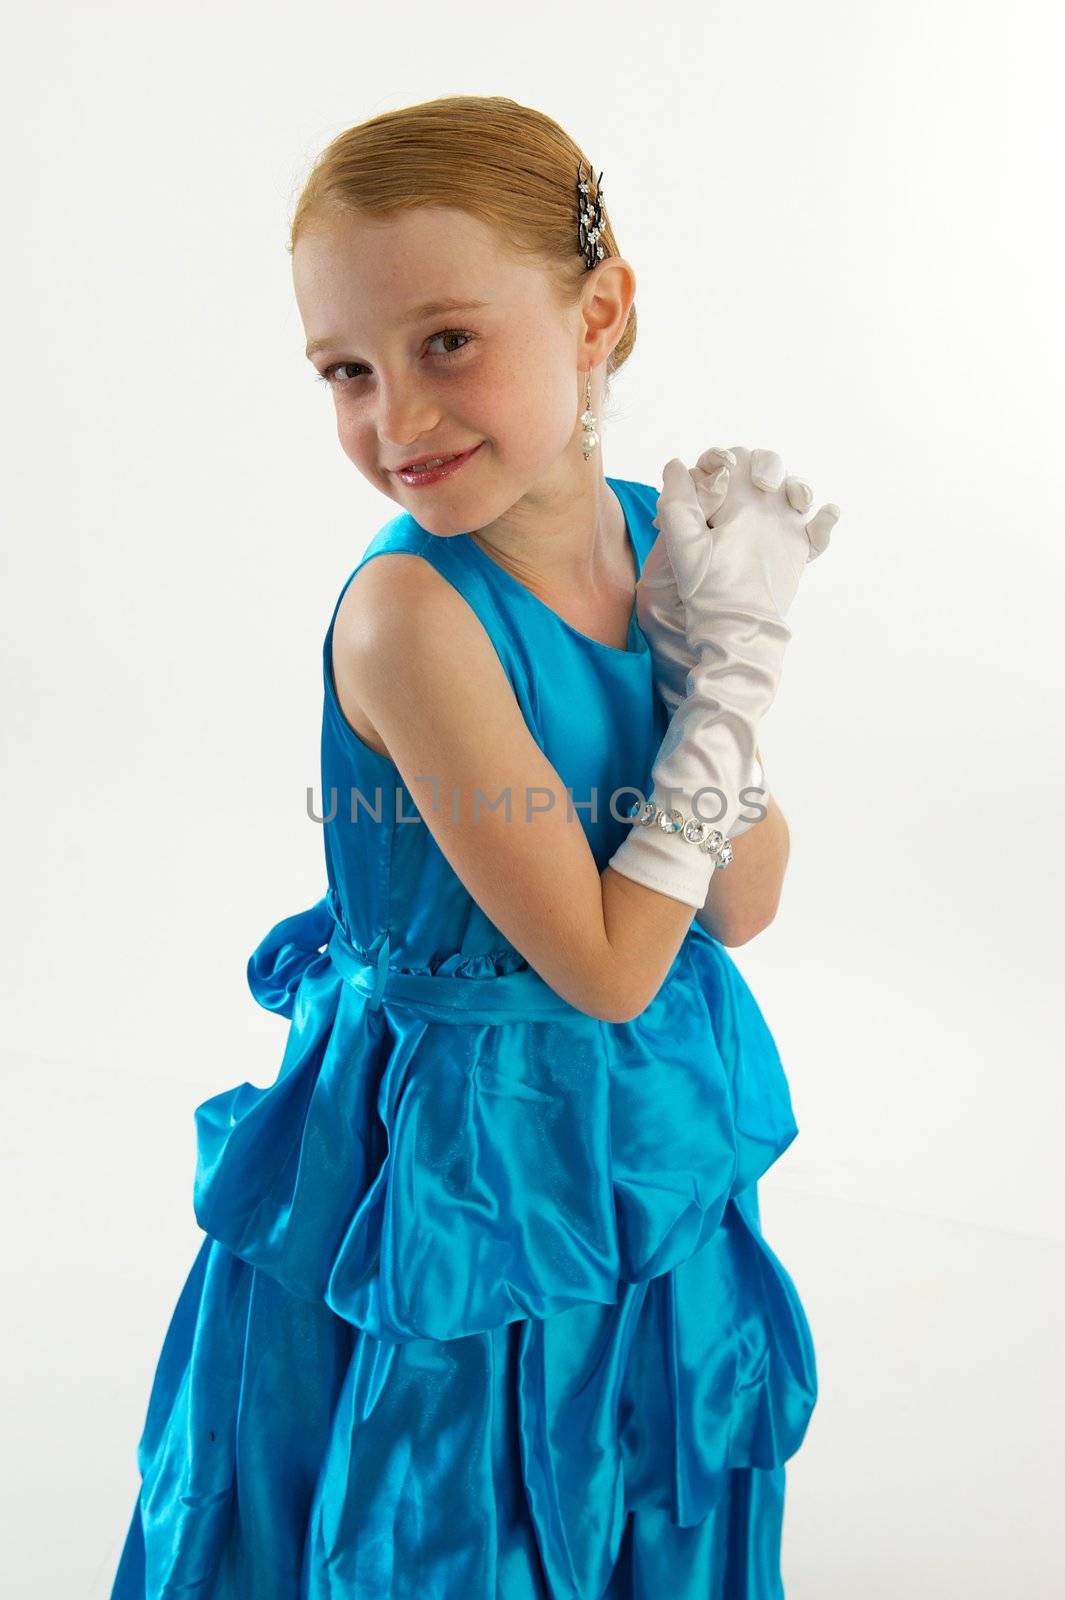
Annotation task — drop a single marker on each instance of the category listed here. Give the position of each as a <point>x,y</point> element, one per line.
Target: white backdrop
<point>846,227</point>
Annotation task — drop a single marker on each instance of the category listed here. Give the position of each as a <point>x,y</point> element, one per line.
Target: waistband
<point>279,962</point>
<point>507,997</point>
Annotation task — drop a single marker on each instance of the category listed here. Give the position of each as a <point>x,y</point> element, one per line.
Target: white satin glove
<point>659,607</point>
<point>736,580</point>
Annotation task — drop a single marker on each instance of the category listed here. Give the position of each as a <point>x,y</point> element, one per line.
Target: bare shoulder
<point>396,602</point>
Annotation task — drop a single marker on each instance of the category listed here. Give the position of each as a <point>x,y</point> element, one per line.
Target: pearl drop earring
<point>589,421</point>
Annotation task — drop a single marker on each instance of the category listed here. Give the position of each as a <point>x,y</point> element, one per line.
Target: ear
<point>605,307</point>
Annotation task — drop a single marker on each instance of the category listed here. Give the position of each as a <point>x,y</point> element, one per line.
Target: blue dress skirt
<point>483,1307</point>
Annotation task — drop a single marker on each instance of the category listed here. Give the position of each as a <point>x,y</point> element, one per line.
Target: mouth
<point>431,469</point>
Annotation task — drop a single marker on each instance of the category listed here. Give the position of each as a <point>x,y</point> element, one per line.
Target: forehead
<point>429,253</point>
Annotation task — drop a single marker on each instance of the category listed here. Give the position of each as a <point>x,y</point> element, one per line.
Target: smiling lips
<point>429,461</point>
<point>441,455</point>
<point>431,469</point>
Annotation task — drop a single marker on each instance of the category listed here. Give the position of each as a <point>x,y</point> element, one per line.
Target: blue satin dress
<point>483,1308</point>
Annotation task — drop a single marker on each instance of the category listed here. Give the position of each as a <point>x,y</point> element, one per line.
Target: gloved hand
<point>659,608</point>
<point>735,581</point>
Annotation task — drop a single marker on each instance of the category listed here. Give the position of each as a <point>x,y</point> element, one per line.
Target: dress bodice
<point>590,707</point>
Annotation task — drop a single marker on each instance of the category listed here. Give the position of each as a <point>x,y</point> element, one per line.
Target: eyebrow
<point>431,308</point>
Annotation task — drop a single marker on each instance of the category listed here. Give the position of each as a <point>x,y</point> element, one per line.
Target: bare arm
<point>743,900</point>
<point>428,678</point>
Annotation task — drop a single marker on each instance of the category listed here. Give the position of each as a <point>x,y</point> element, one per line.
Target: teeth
<point>427,466</point>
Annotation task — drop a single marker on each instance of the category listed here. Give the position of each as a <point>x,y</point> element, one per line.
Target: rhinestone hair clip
<point>589,217</point>
<point>711,840</point>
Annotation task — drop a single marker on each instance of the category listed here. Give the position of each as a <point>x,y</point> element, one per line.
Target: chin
<point>440,522</point>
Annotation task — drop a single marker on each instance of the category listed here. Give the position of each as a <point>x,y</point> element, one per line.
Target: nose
<point>404,415</point>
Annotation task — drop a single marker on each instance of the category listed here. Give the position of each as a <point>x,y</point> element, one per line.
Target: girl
<point>484,1308</point>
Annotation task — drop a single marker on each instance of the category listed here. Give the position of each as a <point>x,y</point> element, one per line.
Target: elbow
<point>743,930</point>
<point>603,1004</point>
<point>625,1006</point>
<point>630,1001</point>
<point>624,1010</point>
<point>628,1013</point>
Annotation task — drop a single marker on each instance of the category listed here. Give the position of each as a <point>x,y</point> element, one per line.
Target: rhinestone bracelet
<point>711,840</point>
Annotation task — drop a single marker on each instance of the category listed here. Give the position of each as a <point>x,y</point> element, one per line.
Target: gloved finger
<point>656,572</point>
<point>716,456</point>
<point>799,493</point>
<point>712,489</point>
<point>689,542</point>
<point>767,469</point>
<point>819,529</point>
<point>678,503</point>
<point>659,607</point>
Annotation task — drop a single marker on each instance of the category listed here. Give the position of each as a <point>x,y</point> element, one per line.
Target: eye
<point>329,375</point>
<point>453,333</point>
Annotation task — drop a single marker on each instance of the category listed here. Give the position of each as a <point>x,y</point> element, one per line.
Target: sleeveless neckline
<point>637,645</point>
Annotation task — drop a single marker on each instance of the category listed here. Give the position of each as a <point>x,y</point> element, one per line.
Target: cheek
<point>529,412</point>
<point>357,437</point>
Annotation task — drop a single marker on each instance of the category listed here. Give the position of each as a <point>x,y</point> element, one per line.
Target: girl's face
<point>409,382</point>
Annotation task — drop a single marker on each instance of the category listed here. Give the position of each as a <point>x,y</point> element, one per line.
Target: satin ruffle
<point>576,1217</point>
<point>430,1182</point>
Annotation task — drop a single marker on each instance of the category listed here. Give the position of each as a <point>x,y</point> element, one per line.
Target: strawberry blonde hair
<point>504,163</point>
